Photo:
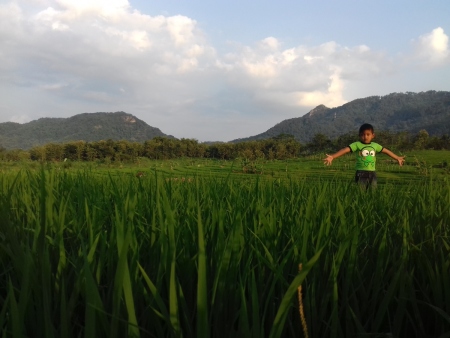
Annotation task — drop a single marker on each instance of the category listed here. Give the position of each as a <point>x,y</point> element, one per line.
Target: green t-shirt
<point>365,154</point>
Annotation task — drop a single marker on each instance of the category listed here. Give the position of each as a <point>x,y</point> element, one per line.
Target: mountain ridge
<point>86,126</point>
<point>395,112</point>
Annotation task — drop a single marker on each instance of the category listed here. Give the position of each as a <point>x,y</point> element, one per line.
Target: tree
<point>421,139</point>
<point>281,152</point>
<point>292,147</point>
<point>283,137</point>
<point>319,142</point>
<point>226,151</point>
<point>91,152</point>
<point>54,151</point>
<point>81,147</point>
<point>105,149</point>
<point>38,154</point>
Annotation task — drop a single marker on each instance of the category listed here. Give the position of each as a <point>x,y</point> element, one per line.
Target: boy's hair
<point>364,127</point>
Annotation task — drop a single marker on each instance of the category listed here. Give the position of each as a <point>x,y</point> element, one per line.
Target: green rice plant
<point>105,253</point>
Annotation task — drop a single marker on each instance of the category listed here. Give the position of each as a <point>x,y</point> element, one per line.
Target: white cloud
<point>10,20</point>
<point>302,76</point>
<point>181,29</point>
<point>105,56</point>
<point>432,48</point>
<point>20,118</point>
<point>333,97</point>
<point>270,43</point>
<point>110,9</point>
<point>54,86</point>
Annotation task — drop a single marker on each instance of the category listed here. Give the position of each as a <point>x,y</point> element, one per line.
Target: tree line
<point>281,147</point>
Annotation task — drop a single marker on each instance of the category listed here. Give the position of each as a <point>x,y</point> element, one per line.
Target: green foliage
<point>283,147</point>
<point>400,141</point>
<point>251,166</point>
<point>106,254</point>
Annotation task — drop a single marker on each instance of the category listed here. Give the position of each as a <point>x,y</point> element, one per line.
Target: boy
<point>365,151</point>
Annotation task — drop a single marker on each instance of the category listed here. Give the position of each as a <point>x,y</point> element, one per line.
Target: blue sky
<point>215,70</point>
<point>349,23</point>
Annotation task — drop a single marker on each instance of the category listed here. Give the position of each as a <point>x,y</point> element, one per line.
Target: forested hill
<point>395,112</point>
<point>88,127</point>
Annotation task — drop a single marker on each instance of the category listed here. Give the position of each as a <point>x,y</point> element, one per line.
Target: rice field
<point>184,251</point>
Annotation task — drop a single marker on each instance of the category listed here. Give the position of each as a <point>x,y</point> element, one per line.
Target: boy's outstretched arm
<point>327,160</point>
<point>399,159</point>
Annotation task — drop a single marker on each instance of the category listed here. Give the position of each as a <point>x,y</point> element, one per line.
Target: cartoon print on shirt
<point>367,156</point>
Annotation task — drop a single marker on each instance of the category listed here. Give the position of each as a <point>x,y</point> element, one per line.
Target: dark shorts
<point>366,178</point>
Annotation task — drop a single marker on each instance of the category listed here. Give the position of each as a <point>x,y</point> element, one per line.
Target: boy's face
<point>366,136</point>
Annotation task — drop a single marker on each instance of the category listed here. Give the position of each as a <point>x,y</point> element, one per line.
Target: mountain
<point>88,127</point>
<point>395,112</point>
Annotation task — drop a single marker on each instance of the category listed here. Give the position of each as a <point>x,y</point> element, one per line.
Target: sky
<point>215,70</point>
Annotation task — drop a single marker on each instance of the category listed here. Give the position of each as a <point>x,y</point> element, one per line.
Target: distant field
<point>211,248</point>
<point>418,164</point>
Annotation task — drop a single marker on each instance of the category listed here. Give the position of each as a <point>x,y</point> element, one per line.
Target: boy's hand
<point>328,160</point>
<point>399,159</point>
